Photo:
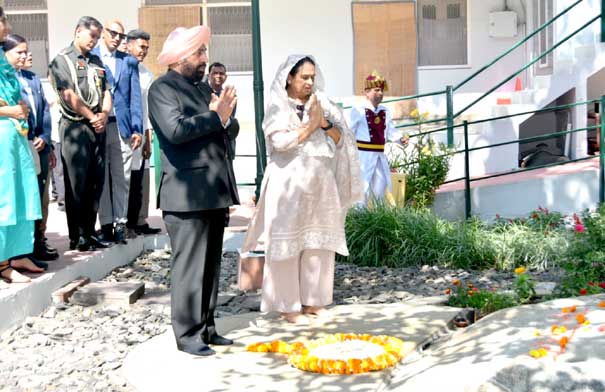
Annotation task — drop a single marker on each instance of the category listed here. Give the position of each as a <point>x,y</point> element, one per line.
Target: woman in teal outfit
<point>19,197</point>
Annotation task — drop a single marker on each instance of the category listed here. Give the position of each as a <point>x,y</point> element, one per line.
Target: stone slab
<point>234,369</point>
<point>492,355</point>
<point>120,293</point>
<point>64,293</point>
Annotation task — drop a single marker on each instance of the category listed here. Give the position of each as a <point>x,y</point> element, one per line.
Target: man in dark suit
<point>124,132</point>
<point>194,129</point>
<point>41,127</point>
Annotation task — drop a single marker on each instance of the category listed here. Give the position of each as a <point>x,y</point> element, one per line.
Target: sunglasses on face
<point>114,34</point>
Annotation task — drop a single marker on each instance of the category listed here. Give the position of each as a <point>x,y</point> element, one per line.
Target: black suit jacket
<point>197,173</point>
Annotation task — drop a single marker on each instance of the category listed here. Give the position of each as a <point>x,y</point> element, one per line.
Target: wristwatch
<point>329,126</point>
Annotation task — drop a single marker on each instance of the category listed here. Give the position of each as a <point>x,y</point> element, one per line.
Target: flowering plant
<point>424,162</point>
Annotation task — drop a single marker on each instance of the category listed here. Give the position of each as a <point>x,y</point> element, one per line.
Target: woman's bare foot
<point>25,264</point>
<point>315,310</point>
<point>12,276</point>
<point>295,318</point>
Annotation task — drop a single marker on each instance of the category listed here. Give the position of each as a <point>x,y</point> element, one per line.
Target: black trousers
<point>42,179</point>
<point>83,157</point>
<point>197,242</point>
<point>135,196</point>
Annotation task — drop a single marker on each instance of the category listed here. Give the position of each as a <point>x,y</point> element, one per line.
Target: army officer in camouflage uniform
<point>79,79</point>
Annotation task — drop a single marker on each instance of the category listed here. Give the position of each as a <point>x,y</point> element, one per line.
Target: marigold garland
<point>301,356</point>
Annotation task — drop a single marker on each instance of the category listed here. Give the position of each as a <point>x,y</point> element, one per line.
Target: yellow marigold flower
<point>537,333</point>
<point>543,352</point>
<point>415,113</point>
<point>520,270</point>
<point>426,151</point>
<point>534,354</point>
<point>565,310</point>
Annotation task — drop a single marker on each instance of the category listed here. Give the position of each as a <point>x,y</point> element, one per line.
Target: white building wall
<point>63,16</point>
<point>482,50</point>
<point>318,27</point>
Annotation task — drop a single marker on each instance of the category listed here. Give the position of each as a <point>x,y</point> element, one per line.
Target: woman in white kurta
<point>311,180</point>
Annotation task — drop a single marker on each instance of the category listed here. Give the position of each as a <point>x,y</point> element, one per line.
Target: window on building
<point>29,18</point>
<point>231,25</point>
<point>442,33</point>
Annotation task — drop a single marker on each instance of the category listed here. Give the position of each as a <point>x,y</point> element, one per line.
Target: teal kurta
<point>19,196</point>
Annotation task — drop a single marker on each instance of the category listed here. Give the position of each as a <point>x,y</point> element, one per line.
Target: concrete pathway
<point>157,366</point>
<point>489,356</point>
<point>493,354</point>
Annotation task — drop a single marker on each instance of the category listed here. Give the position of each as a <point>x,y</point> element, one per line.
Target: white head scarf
<point>277,117</point>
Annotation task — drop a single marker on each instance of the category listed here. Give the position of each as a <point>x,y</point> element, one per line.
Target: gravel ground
<point>76,348</point>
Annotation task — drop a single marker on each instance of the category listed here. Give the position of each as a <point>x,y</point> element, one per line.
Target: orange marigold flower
<point>565,310</point>
<point>572,308</point>
<point>470,285</point>
<point>580,318</point>
<point>456,282</point>
<point>448,291</point>
<point>563,341</point>
<point>602,304</point>
<point>520,270</point>
<point>471,292</point>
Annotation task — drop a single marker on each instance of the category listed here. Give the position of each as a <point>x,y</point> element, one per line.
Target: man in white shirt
<point>137,45</point>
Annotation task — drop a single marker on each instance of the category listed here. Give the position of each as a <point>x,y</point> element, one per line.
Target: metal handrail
<point>405,98</point>
<point>528,65</point>
<point>515,46</point>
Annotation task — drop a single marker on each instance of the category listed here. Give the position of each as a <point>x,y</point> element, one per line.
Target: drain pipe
<point>259,100</point>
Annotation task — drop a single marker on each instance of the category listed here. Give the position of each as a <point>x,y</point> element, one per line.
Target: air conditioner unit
<point>503,24</point>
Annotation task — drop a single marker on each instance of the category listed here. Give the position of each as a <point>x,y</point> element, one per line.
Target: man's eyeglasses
<point>114,34</point>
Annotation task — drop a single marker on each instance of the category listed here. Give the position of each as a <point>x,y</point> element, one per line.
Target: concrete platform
<point>21,300</point>
<point>157,366</point>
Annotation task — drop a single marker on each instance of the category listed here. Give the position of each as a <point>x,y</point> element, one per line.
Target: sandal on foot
<point>17,278</point>
<point>32,267</point>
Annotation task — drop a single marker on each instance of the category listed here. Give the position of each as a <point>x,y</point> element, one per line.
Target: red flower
<point>475,289</point>
<point>602,285</point>
<point>497,216</point>
<point>576,219</point>
<point>535,215</point>
<point>583,292</point>
<point>591,283</point>
<point>580,228</point>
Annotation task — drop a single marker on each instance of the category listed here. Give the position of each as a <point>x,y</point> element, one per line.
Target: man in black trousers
<point>79,79</point>
<point>194,129</point>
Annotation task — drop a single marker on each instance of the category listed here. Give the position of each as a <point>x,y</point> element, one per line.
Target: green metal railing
<point>468,180</point>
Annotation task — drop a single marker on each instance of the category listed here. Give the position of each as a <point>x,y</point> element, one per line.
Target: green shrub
<point>401,236</point>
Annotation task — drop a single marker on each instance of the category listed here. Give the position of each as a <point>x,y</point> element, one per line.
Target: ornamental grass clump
<point>397,236</point>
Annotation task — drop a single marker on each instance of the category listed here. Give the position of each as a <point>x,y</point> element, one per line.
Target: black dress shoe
<point>120,234</point>
<point>49,248</point>
<point>218,341</point>
<point>73,244</point>
<point>106,233</point>
<point>199,349</point>
<point>97,242</point>
<point>146,229</point>
<point>42,253</point>
<point>84,245</point>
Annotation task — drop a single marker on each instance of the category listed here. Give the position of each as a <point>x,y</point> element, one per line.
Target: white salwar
<point>374,164</point>
<point>305,195</point>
